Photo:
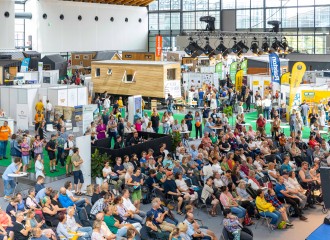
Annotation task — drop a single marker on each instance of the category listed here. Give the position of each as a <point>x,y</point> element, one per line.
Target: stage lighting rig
<point>210,22</point>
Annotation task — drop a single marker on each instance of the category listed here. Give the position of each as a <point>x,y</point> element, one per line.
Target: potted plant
<point>98,161</point>
<point>176,138</point>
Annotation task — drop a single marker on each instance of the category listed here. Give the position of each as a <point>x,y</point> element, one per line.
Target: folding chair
<point>262,220</point>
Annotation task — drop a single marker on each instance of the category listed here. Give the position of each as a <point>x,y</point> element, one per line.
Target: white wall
<point>55,35</point>
<point>7,25</point>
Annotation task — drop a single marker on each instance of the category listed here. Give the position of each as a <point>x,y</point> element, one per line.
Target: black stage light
<point>255,48</point>
<point>193,49</point>
<point>208,50</point>
<point>265,45</point>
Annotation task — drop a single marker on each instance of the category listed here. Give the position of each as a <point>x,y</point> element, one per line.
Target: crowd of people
<point>235,170</point>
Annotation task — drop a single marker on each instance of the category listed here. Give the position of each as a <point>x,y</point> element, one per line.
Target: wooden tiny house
<point>83,59</point>
<point>134,77</point>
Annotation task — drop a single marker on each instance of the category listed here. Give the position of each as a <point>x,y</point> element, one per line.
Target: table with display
<point>16,176</point>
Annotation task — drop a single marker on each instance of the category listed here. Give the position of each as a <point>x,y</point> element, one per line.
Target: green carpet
<point>61,170</point>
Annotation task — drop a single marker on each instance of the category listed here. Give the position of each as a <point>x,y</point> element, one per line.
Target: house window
<point>77,57</point>
<point>97,72</point>
<point>148,57</point>
<point>109,71</point>
<point>128,56</point>
<point>171,74</point>
<point>129,76</point>
<point>86,57</point>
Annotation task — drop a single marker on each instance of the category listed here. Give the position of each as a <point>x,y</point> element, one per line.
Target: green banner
<point>244,66</point>
<point>232,71</point>
<point>218,70</point>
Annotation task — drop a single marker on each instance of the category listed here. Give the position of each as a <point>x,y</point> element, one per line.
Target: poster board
<point>173,87</point>
<point>200,79</point>
<point>88,115</point>
<point>134,103</point>
<point>22,119</point>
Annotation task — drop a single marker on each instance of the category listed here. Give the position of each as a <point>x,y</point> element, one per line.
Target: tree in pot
<point>176,138</point>
<point>98,161</point>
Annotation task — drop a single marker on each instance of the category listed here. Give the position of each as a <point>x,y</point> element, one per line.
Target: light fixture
<point>286,46</point>
<point>265,45</point>
<point>208,50</point>
<point>193,49</point>
<point>277,45</point>
<point>239,47</point>
<point>255,48</point>
<point>222,49</point>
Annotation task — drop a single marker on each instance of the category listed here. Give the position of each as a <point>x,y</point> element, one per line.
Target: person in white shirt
<point>49,108</point>
<point>218,183</point>
<point>145,121</point>
<point>207,170</point>
<point>74,226</point>
<point>106,103</point>
<point>68,148</point>
<point>266,103</point>
<point>216,168</point>
<point>129,206</point>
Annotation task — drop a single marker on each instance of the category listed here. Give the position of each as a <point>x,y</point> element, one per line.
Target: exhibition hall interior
<point>164,119</point>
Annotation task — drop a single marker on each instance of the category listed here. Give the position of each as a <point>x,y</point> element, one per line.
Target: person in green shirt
<point>214,138</point>
<point>113,224</point>
<point>224,164</point>
<point>161,174</point>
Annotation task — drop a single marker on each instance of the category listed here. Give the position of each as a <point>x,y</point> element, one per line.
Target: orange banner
<point>159,46</point>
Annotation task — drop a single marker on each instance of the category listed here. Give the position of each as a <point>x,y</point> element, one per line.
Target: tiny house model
<point>144,78</point>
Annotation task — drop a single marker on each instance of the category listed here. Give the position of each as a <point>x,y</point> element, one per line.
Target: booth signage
<point>25,65</point>
<point>22,120</point>
<point>255,83</point>
<point>159,46</point>
<point>239,80</point>
<point>275,68</point>
<point>232,71</point>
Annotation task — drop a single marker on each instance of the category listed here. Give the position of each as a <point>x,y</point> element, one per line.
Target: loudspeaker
<point>325,179</point>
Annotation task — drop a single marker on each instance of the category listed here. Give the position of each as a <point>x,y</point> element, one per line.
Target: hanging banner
<point>219,70</point>
<point>232,71</point>
<point>40,72</point>
<point>285,78</point>
<point>275,68</point>
<point>25,65</point>
<point>239,80</point>
<point>244,66</point>
<point>298,71</point>
<point>159,46</point>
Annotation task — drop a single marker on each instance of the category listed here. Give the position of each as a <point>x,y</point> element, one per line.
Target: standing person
<point>261,123</point>
<point>106,103</point>
<point>5,133</point>
<point>8,182</point>
<point>38,119</point>
<point>49,108</point>
<point>37,146</point>
<point>313,117</point>
<point>15,148</point>
<point>77,173</point>
<point>189,117</point>
<point>61,139</point>
<point>169,102</point>
<point>248,101</point>
<point>166,123</point>
<point>112,129</point>
<point>39,166</point>
<point>51,149</point>
<point>101,129</point>
<point>293,121</point>
<point>259,106</point>
<point>155,120</point>
<point>200,97</point>
<point>25,149</point>
<point>40,106</point>
<point>68,152</point>
<point>266,103</point>
<point>205,114</point>
<point>304,112</point>
<point>198,125</point>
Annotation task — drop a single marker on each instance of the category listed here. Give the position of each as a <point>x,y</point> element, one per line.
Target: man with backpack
<point>51,149</point>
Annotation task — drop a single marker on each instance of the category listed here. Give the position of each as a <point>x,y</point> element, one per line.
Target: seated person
<point>208,196</point>
<point>159,217</point>
<point>50,212</point>
<point>63,231</point>
<point>74,226</point>
<point>33,223</point>
<point>171,189</point>
<point>233,226</point>
<point>21,232</point>
<point>182,186</point>
<point>135,139</point>
<point>6,225</point>
<point>100,204</point>
<point>228,201</point>
<point>96,194</point>
<point>40,183</point>
<point>194,230</point>
<point>43,193</point>
<point>153,230</point>
<point>79,202</point>
<point>266,209</point>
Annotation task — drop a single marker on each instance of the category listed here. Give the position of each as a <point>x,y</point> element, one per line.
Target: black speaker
<point>325,179</point>
<point>61,16</point>
<point>44,16</point>
<point>79,17</point>
<point>7,14</point>
<point>112,19</point>
<point>96,18</point>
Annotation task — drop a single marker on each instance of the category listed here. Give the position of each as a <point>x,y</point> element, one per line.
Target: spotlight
<point>286,46</point>
<point>255,48</point>
<point>265,45</point>
<point>193,49</point>
<point>276,25</point>
<point>277,45</point>
<point>222,49</point>
<point>239,47</point>
<point>210,22</point>
<point>208,50</point>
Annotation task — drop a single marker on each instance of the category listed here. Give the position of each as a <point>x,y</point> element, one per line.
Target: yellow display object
<point>285,78</point>
<point>239,80</point>
<point>314,96</point>
<point>298,71</point>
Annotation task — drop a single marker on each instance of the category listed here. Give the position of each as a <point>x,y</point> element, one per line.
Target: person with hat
<point>51,149</point>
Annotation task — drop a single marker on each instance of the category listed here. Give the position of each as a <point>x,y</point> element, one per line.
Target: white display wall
<point>199,79</point>
<point>7,24</point>
<point>13,95</point>
<point>70,34</point>
<point>258,83</point>
<point>134,103</point>
<point>30,94</point>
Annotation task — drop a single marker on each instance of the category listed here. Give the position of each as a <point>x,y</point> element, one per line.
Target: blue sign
<point>275,68</point>
<point>25,65</point>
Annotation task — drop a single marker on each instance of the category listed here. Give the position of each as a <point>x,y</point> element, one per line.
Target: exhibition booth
<point>18,102</point>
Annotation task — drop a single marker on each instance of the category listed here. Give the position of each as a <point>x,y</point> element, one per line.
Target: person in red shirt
<point>261,123</point>
<point>312,142</point>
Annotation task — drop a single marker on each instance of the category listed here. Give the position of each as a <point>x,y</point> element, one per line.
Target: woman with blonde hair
<point>33,223</point>
<point>149,127</point>
<point>183,228</point>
